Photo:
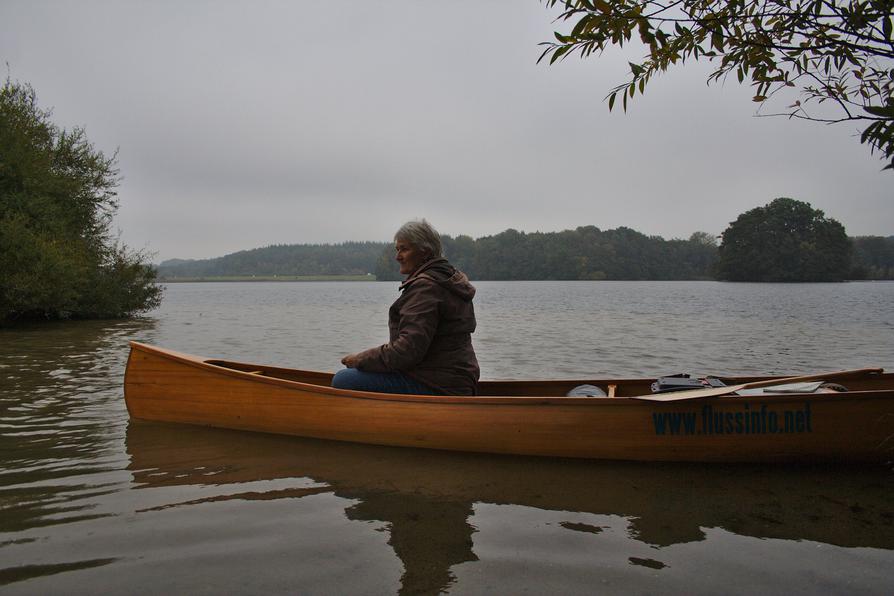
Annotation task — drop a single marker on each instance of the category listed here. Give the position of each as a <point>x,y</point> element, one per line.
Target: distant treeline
<point>873,257</point>
<point>583,253</point>
<point>349,258</point>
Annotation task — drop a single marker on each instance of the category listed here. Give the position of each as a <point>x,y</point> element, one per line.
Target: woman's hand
<point>350,360</point>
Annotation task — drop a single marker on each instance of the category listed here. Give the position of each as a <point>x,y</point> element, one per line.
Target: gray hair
<point>422,235</point>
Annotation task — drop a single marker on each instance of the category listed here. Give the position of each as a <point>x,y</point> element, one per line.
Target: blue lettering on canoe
<point>759,420</point>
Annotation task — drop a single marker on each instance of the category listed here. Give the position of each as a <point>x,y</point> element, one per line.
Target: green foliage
<point>348,258</point>
<point>57,199</point>
<point>584,253</point>
<point>873,257</point>
<point>784,241</point>
<point>387,268</point>
<point>836,53</point>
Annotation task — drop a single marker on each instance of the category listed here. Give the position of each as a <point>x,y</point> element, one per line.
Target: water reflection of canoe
<point>522,417</point>
<point>664,503</point>
<point>428,499</point>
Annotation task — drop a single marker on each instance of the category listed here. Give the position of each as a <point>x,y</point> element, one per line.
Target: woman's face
<point>408,256</point>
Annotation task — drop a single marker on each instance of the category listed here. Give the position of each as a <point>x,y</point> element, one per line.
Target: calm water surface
<point>91,502</point>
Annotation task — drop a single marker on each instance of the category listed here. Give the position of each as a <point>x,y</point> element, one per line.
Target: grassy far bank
<point>229,278</point>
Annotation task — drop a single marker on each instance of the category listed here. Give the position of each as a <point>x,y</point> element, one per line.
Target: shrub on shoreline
<point>58,258</point>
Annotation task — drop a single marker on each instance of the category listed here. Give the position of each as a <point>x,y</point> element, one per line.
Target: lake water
<point>92,502</point>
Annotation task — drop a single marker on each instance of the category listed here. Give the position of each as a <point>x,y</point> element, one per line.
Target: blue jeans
<point>394,382</point>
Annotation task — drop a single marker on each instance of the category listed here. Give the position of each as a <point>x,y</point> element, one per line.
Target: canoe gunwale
<point>209,365</point>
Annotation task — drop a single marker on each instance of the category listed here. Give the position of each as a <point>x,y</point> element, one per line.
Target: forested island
<point>585,253</point>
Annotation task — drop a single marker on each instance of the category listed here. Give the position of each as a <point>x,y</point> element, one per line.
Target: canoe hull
<point>858,426</point>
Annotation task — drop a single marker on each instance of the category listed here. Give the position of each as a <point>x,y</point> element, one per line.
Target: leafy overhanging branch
<point>835,53</point>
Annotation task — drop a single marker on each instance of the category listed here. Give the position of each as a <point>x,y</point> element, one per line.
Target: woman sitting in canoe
<point>431,323</point>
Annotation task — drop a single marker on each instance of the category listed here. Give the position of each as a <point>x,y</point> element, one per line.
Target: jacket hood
<point>440,271</point>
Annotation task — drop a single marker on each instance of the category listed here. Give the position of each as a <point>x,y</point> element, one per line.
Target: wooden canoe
<point>524,417</point>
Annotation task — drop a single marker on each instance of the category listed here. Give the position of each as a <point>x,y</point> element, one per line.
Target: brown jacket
<point>431,326</point>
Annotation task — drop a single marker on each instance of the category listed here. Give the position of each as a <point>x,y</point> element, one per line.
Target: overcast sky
<point>244,124</point>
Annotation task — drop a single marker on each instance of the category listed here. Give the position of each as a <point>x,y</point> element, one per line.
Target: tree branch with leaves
<point>837,57</point>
